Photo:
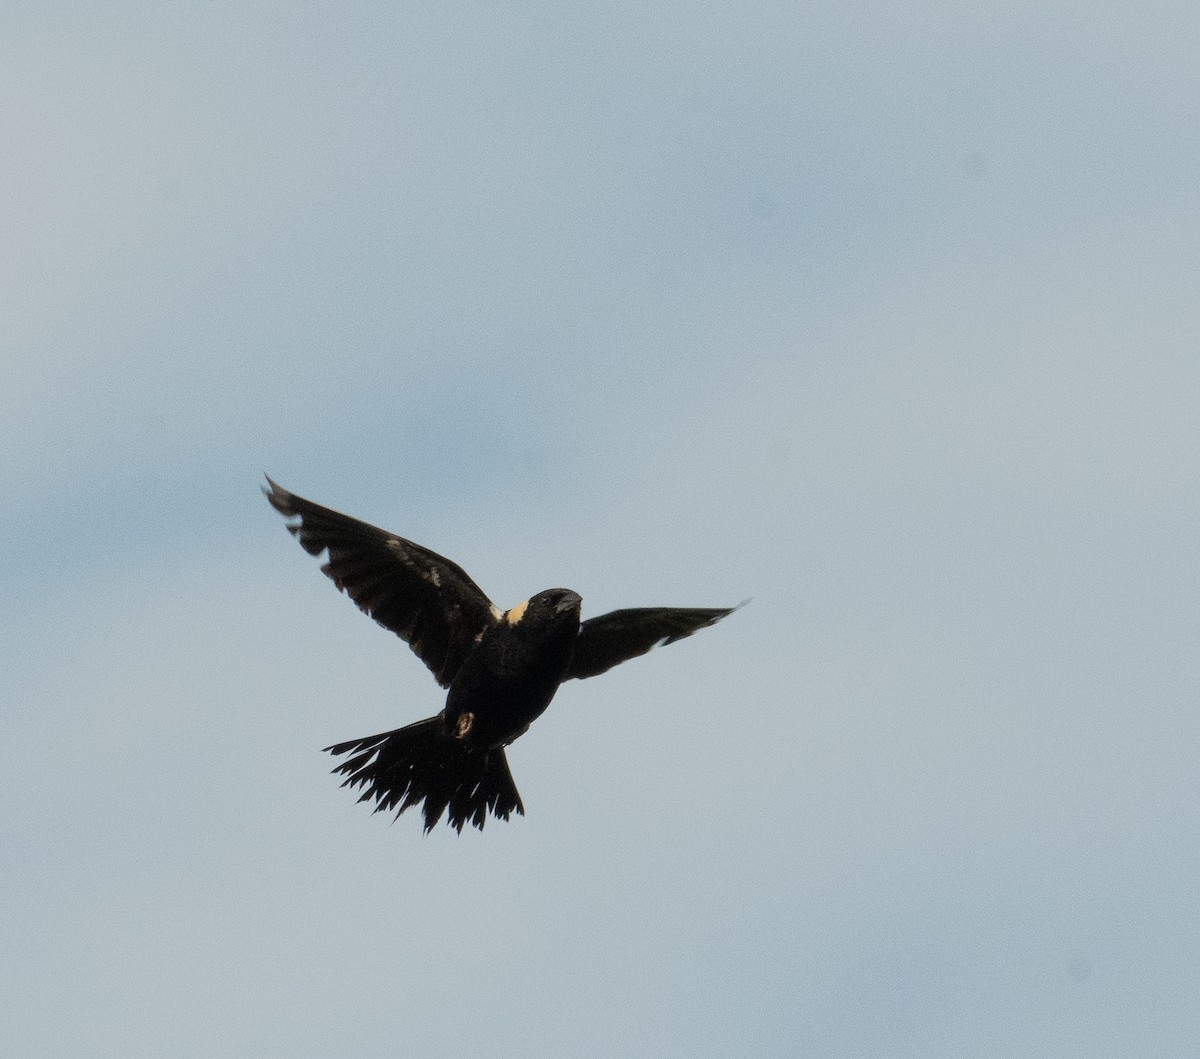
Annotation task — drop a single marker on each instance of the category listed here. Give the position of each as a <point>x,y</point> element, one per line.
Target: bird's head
<point>555,606</point>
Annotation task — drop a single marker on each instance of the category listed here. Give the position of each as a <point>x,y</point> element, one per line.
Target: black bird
<point>502,668</point>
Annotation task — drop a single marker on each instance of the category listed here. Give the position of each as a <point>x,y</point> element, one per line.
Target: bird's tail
<point>420,762</point>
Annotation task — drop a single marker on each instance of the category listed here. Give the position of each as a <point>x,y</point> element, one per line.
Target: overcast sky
<point>882,315</point>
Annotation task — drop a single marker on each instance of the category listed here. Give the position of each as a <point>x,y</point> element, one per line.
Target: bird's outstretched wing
<point>426,600</point>
<point>620,635</point>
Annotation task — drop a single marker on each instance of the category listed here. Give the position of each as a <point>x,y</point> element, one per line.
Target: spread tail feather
<point>420,762</point>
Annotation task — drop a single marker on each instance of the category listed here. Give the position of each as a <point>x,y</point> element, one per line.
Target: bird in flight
<point>501,667</point>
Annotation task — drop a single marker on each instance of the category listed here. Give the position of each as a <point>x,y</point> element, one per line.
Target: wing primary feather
<point>616,637</point>
<point>428,601</point>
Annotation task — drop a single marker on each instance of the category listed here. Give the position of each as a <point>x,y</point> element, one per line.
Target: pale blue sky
<point>884,315</point>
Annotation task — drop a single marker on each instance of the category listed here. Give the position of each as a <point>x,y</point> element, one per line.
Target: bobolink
<point>502,668</point>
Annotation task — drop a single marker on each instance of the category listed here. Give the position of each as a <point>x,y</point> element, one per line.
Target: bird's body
<point>507,682</point>
<point>501,668</point>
